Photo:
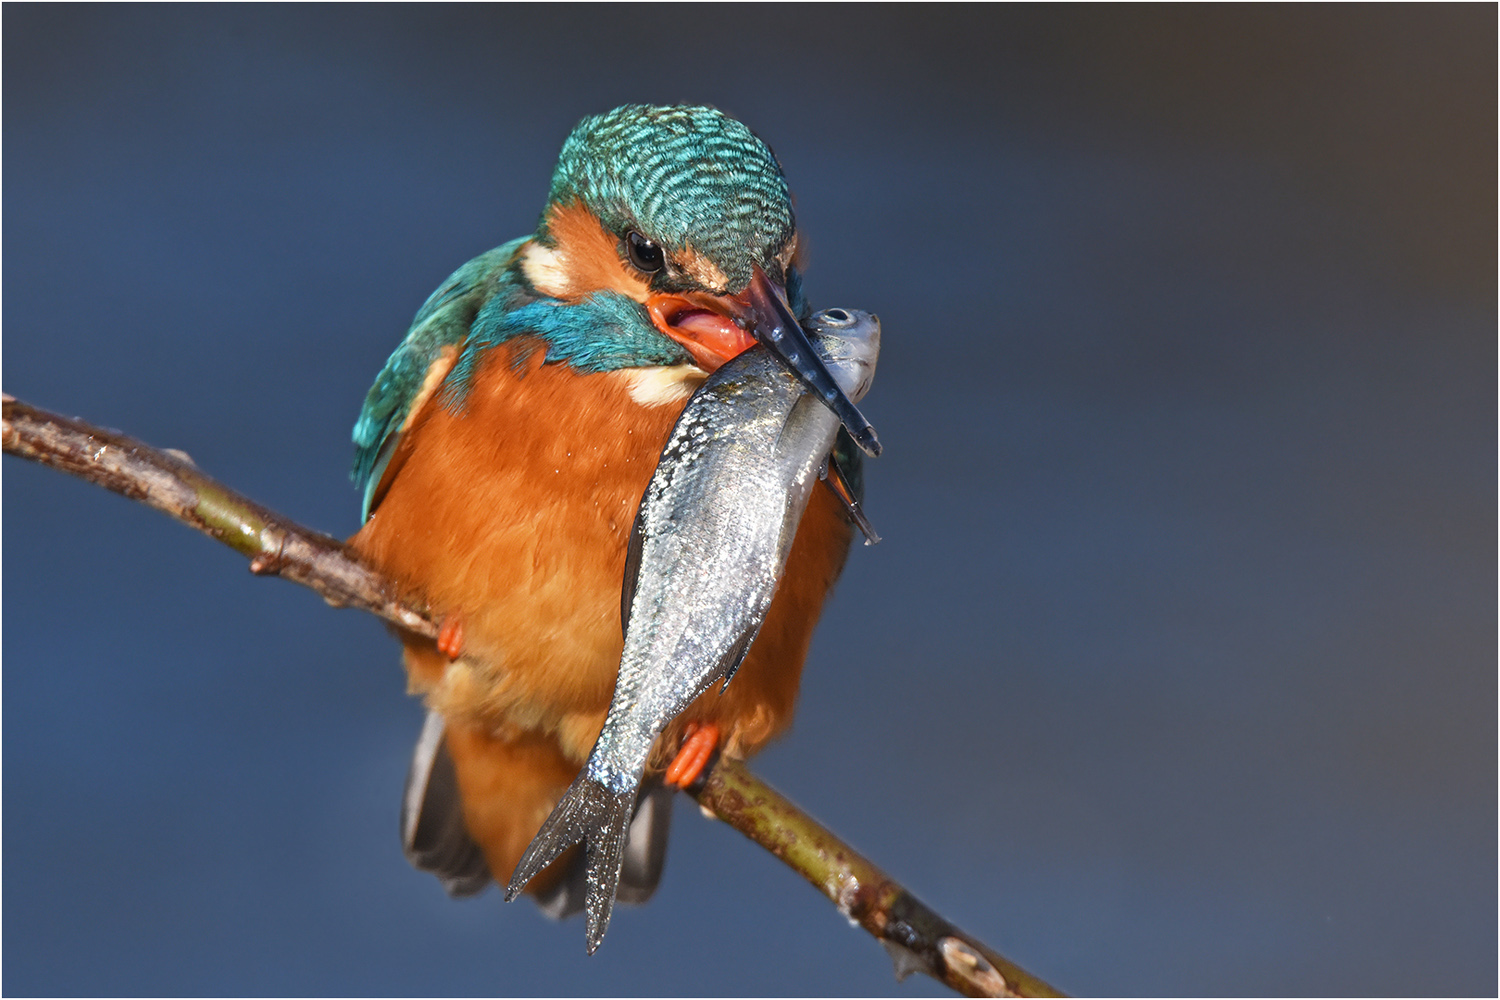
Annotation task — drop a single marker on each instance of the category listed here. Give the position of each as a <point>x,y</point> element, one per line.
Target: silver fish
<point>711,539</point>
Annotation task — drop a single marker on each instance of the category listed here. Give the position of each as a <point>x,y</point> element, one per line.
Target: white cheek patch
<point>547,269</point>
<point>662,386</point>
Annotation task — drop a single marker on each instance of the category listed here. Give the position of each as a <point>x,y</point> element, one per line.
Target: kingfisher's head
<point>685,213</point>
<point>676,208</point>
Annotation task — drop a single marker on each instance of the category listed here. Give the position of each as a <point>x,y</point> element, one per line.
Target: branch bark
<point>917,939</point>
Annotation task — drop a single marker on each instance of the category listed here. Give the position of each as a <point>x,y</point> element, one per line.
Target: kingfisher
<point>503,452</point>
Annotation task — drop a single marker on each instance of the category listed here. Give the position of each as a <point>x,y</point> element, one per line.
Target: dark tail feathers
<point>591,814</point>
<point>433,834</point>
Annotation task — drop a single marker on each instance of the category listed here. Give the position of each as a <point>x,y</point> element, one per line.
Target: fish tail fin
<point>598,818</point>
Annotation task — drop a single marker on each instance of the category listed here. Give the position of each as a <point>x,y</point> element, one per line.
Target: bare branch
<point>917,939</point>
<point>170,482</point>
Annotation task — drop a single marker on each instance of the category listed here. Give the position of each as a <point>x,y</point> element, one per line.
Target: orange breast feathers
<point>516,515</point>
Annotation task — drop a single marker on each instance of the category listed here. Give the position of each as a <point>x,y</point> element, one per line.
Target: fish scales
<point>710,541</point>
<point>710,518</point>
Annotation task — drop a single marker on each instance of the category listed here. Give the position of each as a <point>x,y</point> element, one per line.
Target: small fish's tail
<point>592,814</point>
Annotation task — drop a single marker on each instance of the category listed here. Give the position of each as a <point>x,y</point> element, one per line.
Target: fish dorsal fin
<point>632,566</point>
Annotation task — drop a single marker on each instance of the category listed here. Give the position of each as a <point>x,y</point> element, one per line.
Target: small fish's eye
<point>644,254</point>
<point>837,316</point>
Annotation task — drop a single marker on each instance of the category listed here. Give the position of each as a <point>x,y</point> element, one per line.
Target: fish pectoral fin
<point>736,654</point>
<point>834,478</point>
<point>598,818</point>
<point>434,837</point>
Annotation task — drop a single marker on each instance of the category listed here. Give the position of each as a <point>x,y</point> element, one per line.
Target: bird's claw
<point>699,740</point>
<point>450,638</point>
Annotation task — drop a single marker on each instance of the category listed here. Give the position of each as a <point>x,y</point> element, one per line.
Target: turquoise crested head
<point>689,178</point>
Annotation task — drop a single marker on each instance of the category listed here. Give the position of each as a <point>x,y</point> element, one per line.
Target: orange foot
<point>698,743</point>
<point>450,641</point>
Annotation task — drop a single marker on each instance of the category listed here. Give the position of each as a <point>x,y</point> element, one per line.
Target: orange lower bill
<point>701,324</point>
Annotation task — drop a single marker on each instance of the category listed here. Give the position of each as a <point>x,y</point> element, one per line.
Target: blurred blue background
<point>1176,672</point>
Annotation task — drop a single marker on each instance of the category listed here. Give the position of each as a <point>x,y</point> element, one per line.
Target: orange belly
<point>516,515</point>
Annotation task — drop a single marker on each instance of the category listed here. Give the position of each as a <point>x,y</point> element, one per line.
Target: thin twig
<point>917,938</point>
<point>170,482</point>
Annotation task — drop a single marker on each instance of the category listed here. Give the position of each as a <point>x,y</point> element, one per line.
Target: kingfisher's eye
<point>643,253</point>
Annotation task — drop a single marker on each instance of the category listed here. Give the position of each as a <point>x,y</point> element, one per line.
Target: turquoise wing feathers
<point>443,320</point>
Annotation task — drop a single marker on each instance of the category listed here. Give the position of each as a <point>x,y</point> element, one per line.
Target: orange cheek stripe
<point>592,255</point>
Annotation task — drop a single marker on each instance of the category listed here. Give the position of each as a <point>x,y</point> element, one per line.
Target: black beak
<point>778,329</point>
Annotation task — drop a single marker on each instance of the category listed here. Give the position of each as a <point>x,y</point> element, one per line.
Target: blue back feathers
<point>443,320</point>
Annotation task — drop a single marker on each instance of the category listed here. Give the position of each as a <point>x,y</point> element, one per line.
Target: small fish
<point>711,539</point>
